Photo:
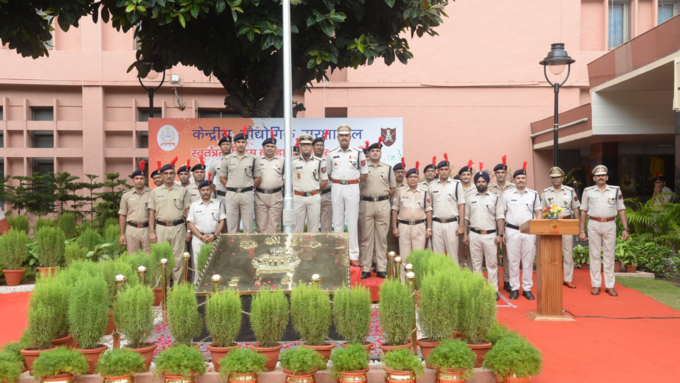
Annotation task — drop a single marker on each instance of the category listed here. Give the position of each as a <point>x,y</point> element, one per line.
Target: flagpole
<point>288,212</point>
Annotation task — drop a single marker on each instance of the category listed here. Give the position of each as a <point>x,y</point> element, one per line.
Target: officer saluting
<point>225,146</point>
<point>499,187</point>
<point>135,214</point>
<point>346,168</point>
<point>309,178</point>
<point>326,201</point>
<point>601,203</point>
<point>413,221</point>
<point>448,209</point>
<point>198,171</point>
<point>565,197</point>
<point>268,197</point>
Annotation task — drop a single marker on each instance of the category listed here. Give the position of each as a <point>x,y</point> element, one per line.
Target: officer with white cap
<point>309,178</point>
<point>602,203</point>
<point>268,196</point>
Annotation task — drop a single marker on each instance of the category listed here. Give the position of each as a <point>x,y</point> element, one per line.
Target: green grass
<point>662,291</point>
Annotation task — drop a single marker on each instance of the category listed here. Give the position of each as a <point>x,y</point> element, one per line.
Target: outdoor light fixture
<point>556,60</point>
<point>151,90</point>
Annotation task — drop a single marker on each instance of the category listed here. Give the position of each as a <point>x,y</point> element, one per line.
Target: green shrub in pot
<point>396,309</point>
<point>10,367</point>
<point>73,253</point>
<point>43,222</point>
<point>133,314</point>
<point>180,360</point>
<point>269,316</point>
<point>89,239</point>
<point>183,317</point>
<point>476,308</point>
<point>49,246</point>
<point>453,355</point>
<point>352,313</point>
<point>301,360</point>
<point>19,223</point>
<point>242,361</point>
<point>403,360</point>
<point>514,356</point>
<point>120,362</point>
<point>13,249</point>
<point>67,224</point>
<point>353,357</point>
<point>54,292</point>
<point>223,317</point>
<point>61,360</point>
<point>437,306</point>
<point>88,311</point>
<point>111,269</point>
<point>310,309</point>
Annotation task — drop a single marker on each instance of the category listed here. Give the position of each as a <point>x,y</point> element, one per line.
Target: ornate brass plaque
<point>247,262</point>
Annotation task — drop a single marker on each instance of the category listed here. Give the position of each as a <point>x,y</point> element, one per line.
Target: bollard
<point>315,280</point>
<point>164,265</point>
<point>397,268</point>
<point>141,271</point>
<point>120,282</point>
<point>216,280</point>
<point>411,283</point>
<point>186,256</point>
<point>390,264</point>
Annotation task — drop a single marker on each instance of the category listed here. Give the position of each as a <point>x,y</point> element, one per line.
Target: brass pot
<point>243,378</point>
<point>395,376</point>
<point>446,375</point>
<point>353,376</point>
<point>61,378</point>
<point>178,378</point>
<point>299,377</point>
<point>120,379</point>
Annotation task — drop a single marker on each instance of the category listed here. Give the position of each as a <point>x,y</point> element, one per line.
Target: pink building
<point>473,92</point>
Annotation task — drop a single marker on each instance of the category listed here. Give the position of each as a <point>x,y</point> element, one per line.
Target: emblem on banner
<point>167,138</point>
<point>388,135</point>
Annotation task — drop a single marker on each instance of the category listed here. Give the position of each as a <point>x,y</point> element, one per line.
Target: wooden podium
<point>550,276</point>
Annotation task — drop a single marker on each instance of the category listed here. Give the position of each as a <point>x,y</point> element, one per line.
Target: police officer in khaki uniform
<point>346,167</point>
<point>205,221</point>
<point>268,196</point>
<point>134,213</point>
<point>565,197</point>
<point>156,177</point>
<point>219,191</point>
<point>601,203</point>
<point>168,206</point>
<point>413,222</point>
<point>499,187</point>
<point>184,174</point>
<point>430,171</point>
<point>240,176</point>
<point>448,210</point>
<point>374,211</point>
<point>465,175</point>
<point>309,178</point>
<point>399,175</point>
<point>484,214</point>
<point>198,171</point>
<point>326,200</point>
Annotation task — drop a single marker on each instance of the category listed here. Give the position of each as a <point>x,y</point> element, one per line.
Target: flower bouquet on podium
<point>552,212</point>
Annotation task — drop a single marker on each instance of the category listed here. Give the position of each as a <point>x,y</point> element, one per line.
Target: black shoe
<point>381,274</point>
<point>498,296</point>
<point>506,287</point>
<point>528,295</point>
<point>365,275</point>
<point>373,267</point>
<point>514,294</point>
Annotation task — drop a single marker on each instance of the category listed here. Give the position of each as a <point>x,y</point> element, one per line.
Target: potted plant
<point>477,312</point>
<point>310,311</point>
<point>10,367</point>
<point>50,249</point>
<point>13,253</point>
<point>223,319</point>
<point>133,315</point>
<point>514,360</point>
<point>12,350</point>
<point>60,365</point>
<point>87,315</point>
<point>269,319</point>
<point>350,363</point>
<point>183,318</point>
<point>54,293</point>
<point>453,360</point>
<point>352,314</point>
<point>120,365</point>
<point>42,328</point>
<point>621,250</point>
<point>67,224</point>
<point>73,252</point>
<point>401,366</point>
<point>302,363</point>
<point>112,268</point>
<point>437,310</point>
<point>396,309</point>
<point>582,257</point>
<point>242,365</point>
<point>629,258</point>
<point>180,363</point>
<point>498,332</point>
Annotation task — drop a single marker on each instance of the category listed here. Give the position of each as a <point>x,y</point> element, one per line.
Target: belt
<point>268,191</point>
<point>445,220</point>
<point>375,199</point>
<point>412,223</point>
<point>598,219</point>
<point>483,231</point>
<point>221,193</point>
<point>512,226</point>
<point>174,223</point>
<point>306,194</point>
<point>345,182</point>
<point>326,191</point>
<point>138,225</point>
<point>240,190</point>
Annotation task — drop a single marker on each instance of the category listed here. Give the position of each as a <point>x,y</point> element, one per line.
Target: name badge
<point>133,199</point>
<point>593,197</point>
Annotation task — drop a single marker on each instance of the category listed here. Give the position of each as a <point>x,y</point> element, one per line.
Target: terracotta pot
<point>157,296</point>
<point>61,378</point>
<point>447,375</point>
<point>299,377</point>
<point>272,353</point>
<point>169,378</point>
<point>368,346</point>
<point>13,277</point>
<point>111,325</point>
<point>92,356</point>
<point>585,266</point>
<point>146,352</point>
<point>65,341</point>
<point>512,379</point>
<point>31,355</point>
<point>218,353</point>
<point>617,266</point>
<point>243,378</point>
<point>47,271</point>
<point>426,348</point>
<point>480,350</point>
<point>387,348</point>
<point>631,268</point>
<point>324,351</point>
<point>395,376</point>
<point>120,379</point>
<point>456,335</point>
<point>353,376</point>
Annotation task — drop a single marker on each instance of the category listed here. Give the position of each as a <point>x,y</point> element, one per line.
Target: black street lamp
<point>557,58</point>
<point>151,90</point>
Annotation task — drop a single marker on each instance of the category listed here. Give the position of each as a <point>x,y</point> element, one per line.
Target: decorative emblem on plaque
<point>248,245</point>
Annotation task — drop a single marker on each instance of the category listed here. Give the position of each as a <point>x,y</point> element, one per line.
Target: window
<point>667,9</point>
<point>619,23</point>
<point>217,113</point>
<point>2,116</point>
<point>42,139</point>
<point>2,139</point>
<point>42,114</point>
<point>143,139</point>
<point>144,114</point>
<point>43,165</point>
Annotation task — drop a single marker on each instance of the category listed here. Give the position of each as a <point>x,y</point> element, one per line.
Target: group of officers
<point>386,208</point>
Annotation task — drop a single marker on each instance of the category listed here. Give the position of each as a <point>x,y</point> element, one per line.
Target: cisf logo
<point>167,138</point>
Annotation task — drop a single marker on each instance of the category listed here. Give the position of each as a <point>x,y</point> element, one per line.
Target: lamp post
<point>557,58</point>
<point>151,90</point>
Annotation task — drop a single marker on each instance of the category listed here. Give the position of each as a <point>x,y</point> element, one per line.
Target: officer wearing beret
<point>184,174</point>
<point>214,168</point>
<point>413,222</point>
<point>465,175</point>
<point>448,211</point>
<point>205,221</point>
<point>602,203</point>
<point>156,177</point>
<point>268,196</point>
<point>309,178</point>
<point>520,205</point>
<point>486,220</point>
<point>133,215</point>
<point>430,172</point>
<point>168,205</point>
<point>499,187</point>
<point>326,219</point>
<point>240,176</point>
<point>198,171</point>
<point>565,197</point>
<point>399,175</point>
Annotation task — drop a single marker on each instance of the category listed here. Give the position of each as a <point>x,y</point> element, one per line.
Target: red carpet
<point>14,308</point>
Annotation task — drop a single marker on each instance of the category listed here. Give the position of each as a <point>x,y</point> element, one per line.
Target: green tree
<point>113,189</point>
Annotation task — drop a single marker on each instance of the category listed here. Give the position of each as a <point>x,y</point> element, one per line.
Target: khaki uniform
<point>194,194</point>
<point>602,204</point>
<point>206,218</point>
<point>220,190</point>
<point>424,185</point>
<point>239,201</point>
<point>411,207</point>
<point>134,207</point>
<point>307,178</point>
<point>268,195</point>
<point>502,250</point>
<point>666,196</point>
<point>446,198</point>
<point>170,205</point>
<point>374,213</point>
<point>392,241</point>
<point>567,199</point>
<point>482,211</point>
<point>464,258</point>
<point>345,167</point>
<point>520,208</point>
<point>326,206</point>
